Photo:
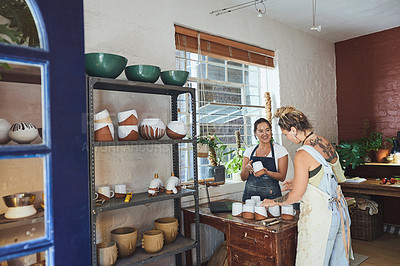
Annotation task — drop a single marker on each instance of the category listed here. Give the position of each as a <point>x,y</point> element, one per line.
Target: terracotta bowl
<point>176,130</point>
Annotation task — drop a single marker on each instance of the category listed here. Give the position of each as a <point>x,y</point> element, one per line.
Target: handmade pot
<point>23,133</point>
<point>128,133</point>
<point>4,128</point>
<point>126,238</point>
<point>237,209</point>
<point>274,211</point>
<point>127,118</point>
<point>152,128</point>
<point>380,155</point>
<point>248,211</point>
<point>287,212</point>
<point>102,117</point>
<point>153,241</point>
<point>260,213</point>
<point>103,132</point>
<point>169,226</point>
<point>106,253</point>
<point>176,130</point>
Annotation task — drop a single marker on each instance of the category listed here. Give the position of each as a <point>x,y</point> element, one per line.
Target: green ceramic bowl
<point>144,73</point>
<point>105,65</point>
<point>174,77</point>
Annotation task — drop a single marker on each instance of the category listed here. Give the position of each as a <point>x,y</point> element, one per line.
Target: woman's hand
<point>249,167</point>
<point>261,172</point>
<point>268,203</point>
<point>287,185</point>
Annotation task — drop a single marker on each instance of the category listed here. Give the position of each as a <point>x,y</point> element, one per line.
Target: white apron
<point>316,216</point>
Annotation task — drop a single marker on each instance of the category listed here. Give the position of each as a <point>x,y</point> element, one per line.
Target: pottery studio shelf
<point>6,224</point>
<point>140,257</point>
<point>142,142</point>
<point>141,198</point>
<point>135,86</point>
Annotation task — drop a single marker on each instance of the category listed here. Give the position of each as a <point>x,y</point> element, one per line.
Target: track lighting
<point>260,10</point>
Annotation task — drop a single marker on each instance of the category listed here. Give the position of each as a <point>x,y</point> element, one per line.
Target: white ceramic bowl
<point>23,133</point>
<point>176,130</point>
<point>4,128</point>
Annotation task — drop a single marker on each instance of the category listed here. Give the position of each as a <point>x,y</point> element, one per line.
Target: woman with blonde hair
<point>324,223</point>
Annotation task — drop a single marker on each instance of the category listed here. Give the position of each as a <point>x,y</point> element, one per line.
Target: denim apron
<point>264,186</point>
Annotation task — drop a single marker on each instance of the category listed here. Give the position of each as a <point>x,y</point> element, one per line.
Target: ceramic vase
<point>4,128</point>
<point>23,133</point>
<point>176,130</point>
<point>152,129</point>
<point>153,241</point>
<point>126,238</point>
<point>106,253</point>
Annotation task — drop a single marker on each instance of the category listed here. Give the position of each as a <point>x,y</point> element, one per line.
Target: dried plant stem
<point>268,112</point>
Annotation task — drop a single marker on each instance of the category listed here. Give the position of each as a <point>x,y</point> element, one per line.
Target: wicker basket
<point>365,226</point>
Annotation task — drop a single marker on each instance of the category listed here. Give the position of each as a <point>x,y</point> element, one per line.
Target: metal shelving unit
<point>181,244</point>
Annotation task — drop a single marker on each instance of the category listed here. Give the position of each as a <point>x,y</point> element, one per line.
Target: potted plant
<point>351,153</point>
<point>216,151</point>
<point>234,165</point>
<point>376,146</point>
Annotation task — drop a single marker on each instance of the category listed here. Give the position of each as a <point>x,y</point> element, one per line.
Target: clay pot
<point>128,118</point>
<point>126,238</point>
<point>106,253</point>
<point>169,226</point>
<point>152,129</point>
<point>128,133</point>
<point>287,212</point>
<point>23,133</point>
<point>153,241</point>
<point>103,132</point>
<point>176,130</point>
<point>102,117</point>
<point>248,211</point>
<point>380,155</point>
<point>4,128</point>
<point>274,211</point>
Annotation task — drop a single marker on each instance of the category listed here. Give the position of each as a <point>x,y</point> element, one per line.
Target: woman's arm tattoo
<point>282,199</point>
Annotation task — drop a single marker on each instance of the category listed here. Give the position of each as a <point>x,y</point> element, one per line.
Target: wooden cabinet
<point>248,241</point>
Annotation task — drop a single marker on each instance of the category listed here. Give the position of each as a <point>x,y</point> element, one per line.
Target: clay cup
<point>106,253</point>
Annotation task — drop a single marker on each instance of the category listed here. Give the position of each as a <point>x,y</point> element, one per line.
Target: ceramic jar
<point>169,226</point>
<point>102,117</point>
<point>128,133</point>
<point>106,253</point>
<point>260,213</point>
<point>23,133</point>
<point>4,128</point>
<point>274,211</point>
<point>248,211</point>
<point>176,130</point>
<point>152,129</point>
<point>287,212</point>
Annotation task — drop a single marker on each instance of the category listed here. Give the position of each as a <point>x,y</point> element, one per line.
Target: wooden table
<point>248,241</point>
<point>372,187</point>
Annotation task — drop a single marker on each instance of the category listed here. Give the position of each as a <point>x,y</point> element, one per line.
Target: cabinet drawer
<point>255,241</point>
<point>239,257</point>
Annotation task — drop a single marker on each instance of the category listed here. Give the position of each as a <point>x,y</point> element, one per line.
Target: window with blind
<point>230,80</point>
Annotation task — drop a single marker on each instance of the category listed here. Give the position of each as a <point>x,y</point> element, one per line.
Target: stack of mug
<point>252,209</point>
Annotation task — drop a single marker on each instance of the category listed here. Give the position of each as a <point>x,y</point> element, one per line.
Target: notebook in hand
<point>218,206</point>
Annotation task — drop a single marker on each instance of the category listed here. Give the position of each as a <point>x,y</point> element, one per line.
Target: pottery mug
<point>127,118</point>
<point>153,241</point>
<point>120,191</point>
<point>260,213</point>
<point>104,192</point>
<point>287,212</point>
<point>250,201</point>
<point>106,253</point>
<point>126,238</point>
<point>274,211</point>
<point>257,166</point>
<point>248,211</point>
<point>237,209</point>
<point>256,199</point>
<point>169,226</point>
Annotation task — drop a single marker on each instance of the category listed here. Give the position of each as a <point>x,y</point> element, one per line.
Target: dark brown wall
<point>368,84</point>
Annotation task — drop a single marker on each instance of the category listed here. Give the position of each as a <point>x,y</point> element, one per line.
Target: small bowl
<point>143,73</point>
<point>19,199</point>
<point>105,65</point>
<point>174,77</point>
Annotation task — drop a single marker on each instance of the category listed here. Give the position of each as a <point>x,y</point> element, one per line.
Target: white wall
<point>143,31</point>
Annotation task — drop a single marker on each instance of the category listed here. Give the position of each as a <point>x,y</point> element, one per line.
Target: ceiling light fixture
<point>260,11</point>
<point>314,11</point>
